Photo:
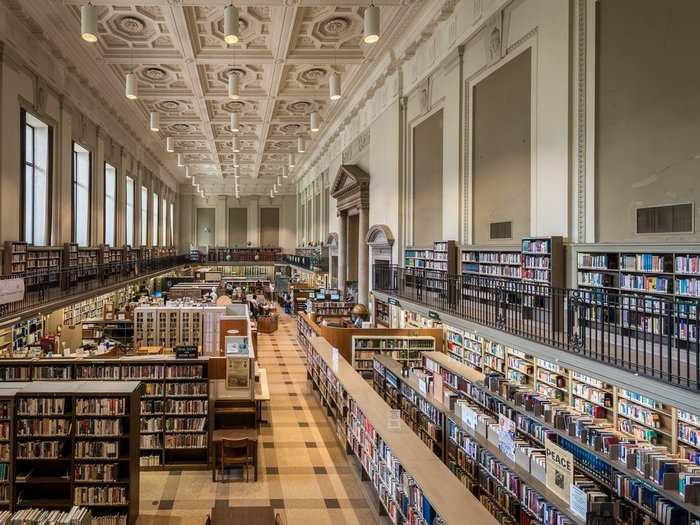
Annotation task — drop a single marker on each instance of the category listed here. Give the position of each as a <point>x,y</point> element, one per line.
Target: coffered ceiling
<point>176,48</point>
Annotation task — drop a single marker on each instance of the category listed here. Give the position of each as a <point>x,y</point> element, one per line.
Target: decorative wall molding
<point>356,147</point>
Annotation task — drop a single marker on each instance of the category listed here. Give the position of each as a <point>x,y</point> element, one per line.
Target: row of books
<point>44,427</point>
<point>100,496</point>
<point>186,441</point>
<point>75,516</point>
<point>97,449</point>
<point>98,427</point>
<point>102,406</point>
<point>184,371</point>
<point>41,406</point>
<point>96,471</point>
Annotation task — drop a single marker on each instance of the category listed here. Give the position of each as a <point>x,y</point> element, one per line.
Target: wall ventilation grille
<point>501,230</point>
<point>676,218</point>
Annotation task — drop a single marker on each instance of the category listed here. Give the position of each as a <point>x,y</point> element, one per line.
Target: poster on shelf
<point>469,416</point>
<point>578,502</point>
<point>506,436</point>
<point>334,359</point>
<point>559,470</point>
<point>394,421</point>
<point>11,290</point>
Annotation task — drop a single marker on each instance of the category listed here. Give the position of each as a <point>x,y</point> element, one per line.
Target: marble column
<point>363,259</point>
<point>342,249</point>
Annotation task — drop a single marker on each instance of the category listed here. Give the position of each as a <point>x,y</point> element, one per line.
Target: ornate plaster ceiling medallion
<point>132,25</point>
<point>235,106</point>
<point>169,105</point>
<point>239,72</point>
<point>313,75</point>
<point>336,25</point>
<point>290,129</point>
<point>155,73</point>
<point>300,106</point>
<point>181,128</point>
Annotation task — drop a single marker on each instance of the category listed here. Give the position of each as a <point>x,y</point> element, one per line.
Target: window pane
<point>164,214</point>
<point>81,195</point>
<point>154,241</point>
<point>172,224</point>
<point>35,180</point>
<point>144,215</point>
<point>129,211</point>
<point>110,204</point>
<point>28,203</point>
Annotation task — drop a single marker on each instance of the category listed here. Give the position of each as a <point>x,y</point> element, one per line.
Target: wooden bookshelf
<point>405,349</point>
<point>381,314</point>
<point>76,445</point>
<point>14,258</point>
<point>633,275</point>
<point>435,263</point>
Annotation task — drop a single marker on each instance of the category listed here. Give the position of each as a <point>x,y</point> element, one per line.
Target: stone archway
<point>350,188</point>
<point>380,241</point>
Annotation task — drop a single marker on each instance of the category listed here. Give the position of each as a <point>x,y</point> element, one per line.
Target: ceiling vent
<point>675,218</point>
<point>501,230</point>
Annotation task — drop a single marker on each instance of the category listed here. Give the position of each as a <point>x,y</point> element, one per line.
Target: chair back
<point>278,519</point>
<point>231,448</point>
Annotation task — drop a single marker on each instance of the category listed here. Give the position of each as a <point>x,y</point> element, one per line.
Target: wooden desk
<point>243,516</point>
<point>235,433</point>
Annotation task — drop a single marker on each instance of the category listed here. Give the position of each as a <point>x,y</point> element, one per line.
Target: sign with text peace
<point>560,469</point>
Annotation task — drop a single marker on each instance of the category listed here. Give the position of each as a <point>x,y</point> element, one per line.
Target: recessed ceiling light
<point>231,24</point>
<point>131,87</point>
<point>155,121</point>
<point>371,24</point>
<point>88,23</point>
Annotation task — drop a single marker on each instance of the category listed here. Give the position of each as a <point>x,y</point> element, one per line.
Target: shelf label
<point>394,421</point>
<point>393,301</point>
<point>433,315</point>
<point>186,352</point>
<point>578,502</point>
<point>11,290</point>
<point>560,470</point>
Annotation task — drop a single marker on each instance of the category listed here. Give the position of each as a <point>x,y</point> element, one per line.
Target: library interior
<point>349,262</point>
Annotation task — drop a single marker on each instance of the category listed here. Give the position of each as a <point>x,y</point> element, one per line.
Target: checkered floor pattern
<point>303,473</point>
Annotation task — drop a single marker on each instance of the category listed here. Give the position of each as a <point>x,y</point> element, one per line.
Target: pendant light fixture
<point>187,172</point>
<point>180,161</point>
<point>155,121</point>
<point>334,86</point>
<point>193,182</point>
<point>170,144</point>
<point>233,89</point>
<point>314,121</point>
<point>285,172</point>
<point>272,194</point>
<point>236,146</point>
<point>274,188</point>
<point>235,161</point>
<point>279,180</point>
<point>88,23</point>
<point>291,160</point>
<point>231,24</point>
<point>131,87</point>
<point>371,23</point>
<point>301,147</point>
<point>235,127</point>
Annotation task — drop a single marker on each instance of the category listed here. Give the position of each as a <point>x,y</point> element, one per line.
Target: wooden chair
<point>278,519</point>
<point>236,453</point>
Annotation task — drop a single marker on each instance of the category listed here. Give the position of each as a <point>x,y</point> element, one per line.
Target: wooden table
<point>236,433</point>
<point>243,516</point>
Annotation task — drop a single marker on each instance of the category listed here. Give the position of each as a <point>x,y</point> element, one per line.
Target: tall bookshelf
<point>633,276</point>
<point>6,440</point>
<point>382,316</point>
<point>174,424</point>
<point>405,349</point>
<point>435,263</point>
<point>75,444</point>
<point>616,461</point>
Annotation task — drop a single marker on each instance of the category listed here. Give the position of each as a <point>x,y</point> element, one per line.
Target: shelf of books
<point>644,478</point>
<point>333,308</point>
<point>381,314</point>
<point>405,349</point>
<point>412,484</point>
<point>75,444</point>
<point>435,264</point>
<point>184,324</point>
<point>174,423</point>
<point>506,487</point>
<point>530,269</point>
<point>6,435</point>
<point>634,277</point>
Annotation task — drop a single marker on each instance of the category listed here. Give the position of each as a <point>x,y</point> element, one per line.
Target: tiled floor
<point>303,472</point>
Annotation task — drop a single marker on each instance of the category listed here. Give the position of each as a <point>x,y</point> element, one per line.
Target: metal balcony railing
<point>649,335</point>
<point>46,285</point>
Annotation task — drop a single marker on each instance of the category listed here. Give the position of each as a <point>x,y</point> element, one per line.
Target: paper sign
<point>11,290</point>
<point>393,301</point>
<point>506,436</point>
<point>578,502</point>
<point>469,417</point>
<point>437,388</point>
<point>560,470</point>
<point>394,421</point>
<point>334,359</point>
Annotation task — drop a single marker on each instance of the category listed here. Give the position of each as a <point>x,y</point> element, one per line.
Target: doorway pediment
<point>351,187</point>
